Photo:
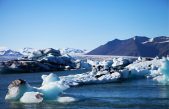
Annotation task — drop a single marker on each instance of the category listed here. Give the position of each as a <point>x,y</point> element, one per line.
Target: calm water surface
<point>135,94</point>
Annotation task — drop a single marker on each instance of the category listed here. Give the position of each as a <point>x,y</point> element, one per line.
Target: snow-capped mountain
<point>135,46</point>
<point>72,51</point>
<point>9,52</point>
<point>27,51</point>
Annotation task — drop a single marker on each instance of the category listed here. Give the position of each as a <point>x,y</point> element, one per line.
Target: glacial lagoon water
<point>133,94</point>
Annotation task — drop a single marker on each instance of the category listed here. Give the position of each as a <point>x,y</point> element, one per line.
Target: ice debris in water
<point>31,97</point>
<point>51,88</point>
<point>164,71</point>
<point>66,99</point>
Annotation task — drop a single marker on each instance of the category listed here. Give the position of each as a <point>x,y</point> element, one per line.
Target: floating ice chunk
<point>120,61</point>
<point>49,78</point>
<point>106,64</point>
<point>32,97</point>
<point>153,74</point>
<point>107,77</point>
<point>164,70</point>
<point>153,64</point>
<point>51,91</point>
<point>89,78</point>
<point>66,99</point>
<point>13,94</point>
<point>52,87</point>
<point>17,88</point>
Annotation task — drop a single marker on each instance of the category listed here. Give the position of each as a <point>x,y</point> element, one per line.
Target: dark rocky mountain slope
<point>136,46</point>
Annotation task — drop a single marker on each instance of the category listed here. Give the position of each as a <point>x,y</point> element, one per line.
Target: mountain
<point>27,51</point>
<point>72,51</point>
<point>135,46</point>
<point>8,52</point>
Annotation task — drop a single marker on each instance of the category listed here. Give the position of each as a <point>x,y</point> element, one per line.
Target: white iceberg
<point>163,72</point>
<point>51,88</point>
<point>31,97</point>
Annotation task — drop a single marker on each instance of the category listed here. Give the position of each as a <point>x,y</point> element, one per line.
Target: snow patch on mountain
<point>163,42</point>
<point>157,40</point>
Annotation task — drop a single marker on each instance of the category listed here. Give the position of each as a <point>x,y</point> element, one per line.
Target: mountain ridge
<point>135,46</point>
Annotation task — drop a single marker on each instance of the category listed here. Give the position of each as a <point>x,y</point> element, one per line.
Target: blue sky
<point>79,23</point>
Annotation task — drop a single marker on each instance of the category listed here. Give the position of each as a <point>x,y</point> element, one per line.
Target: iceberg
<point>156,69</point>
<point>53,86</point>
<point>165,69</point>
<point>163,72</point>
<point>31,97</point>
<point>91,78</point>
<point>17,88</point>
<point>39,61</point>
<point>20,90</point>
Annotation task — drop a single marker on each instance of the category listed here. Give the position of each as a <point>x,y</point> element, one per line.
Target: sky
<point>84,24</point>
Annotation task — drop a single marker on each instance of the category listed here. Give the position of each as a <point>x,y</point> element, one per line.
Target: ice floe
<point>102,72</point>
<point>50,89</point>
